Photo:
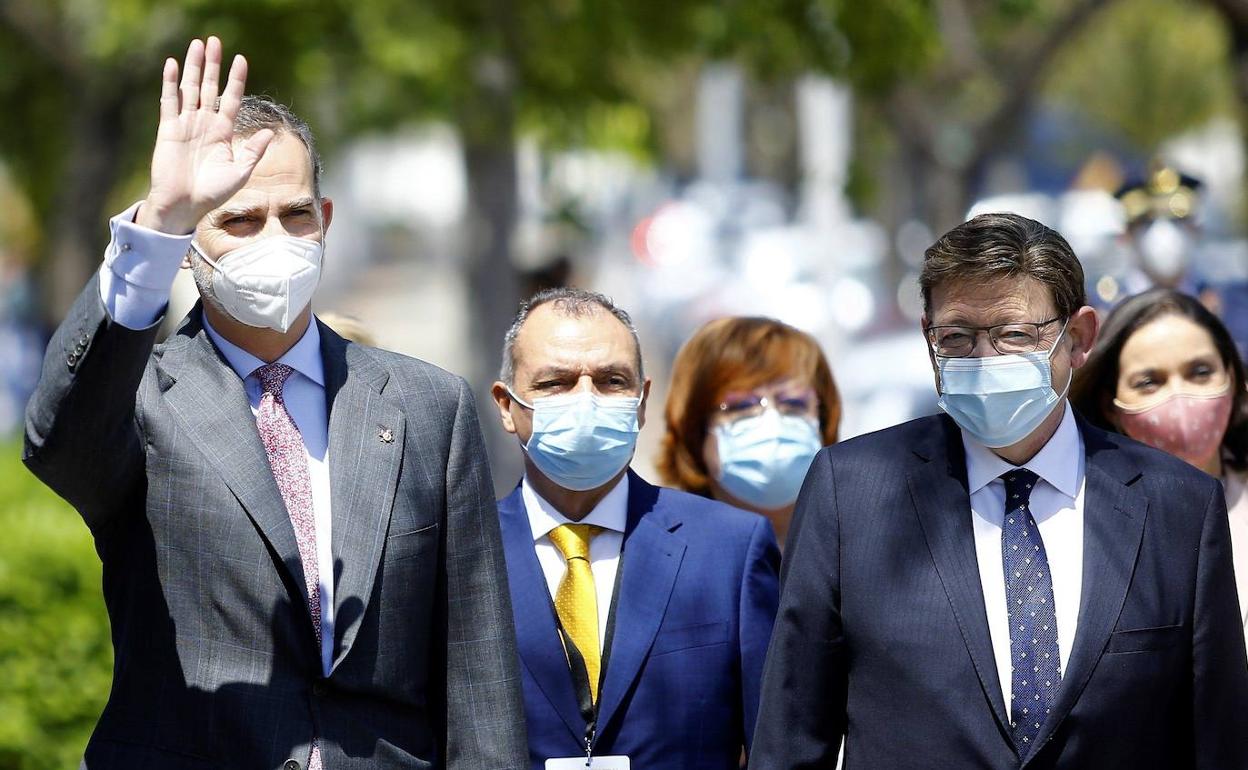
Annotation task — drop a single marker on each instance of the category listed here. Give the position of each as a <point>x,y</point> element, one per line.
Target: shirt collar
<point>1052,463</point>
<point>304,357</point>
<point>611,512</point>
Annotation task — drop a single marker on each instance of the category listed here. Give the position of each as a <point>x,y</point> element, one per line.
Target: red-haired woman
<point>751,402</point>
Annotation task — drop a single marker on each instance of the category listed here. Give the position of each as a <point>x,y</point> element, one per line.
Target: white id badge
<point>593,763</point>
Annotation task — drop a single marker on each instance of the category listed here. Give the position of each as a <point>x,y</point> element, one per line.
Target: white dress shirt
<point>1236,486</point>
<point>611,514</point>
<point>1057,505</point>
<point>135,281</point>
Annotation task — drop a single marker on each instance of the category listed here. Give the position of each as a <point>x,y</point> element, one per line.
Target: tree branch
<point>957,30</point>
<point>1021,84</point>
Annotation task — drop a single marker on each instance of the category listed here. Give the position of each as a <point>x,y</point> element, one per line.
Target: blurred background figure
<point>751,402</point>
<point>1166,372</point>
<point>21,341</point>
<point>1161,231</point>
<point>349,328</point>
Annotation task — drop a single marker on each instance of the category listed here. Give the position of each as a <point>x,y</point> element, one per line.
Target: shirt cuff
<point>138,271</point>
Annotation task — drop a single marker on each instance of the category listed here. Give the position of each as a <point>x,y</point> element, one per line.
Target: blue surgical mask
<point>582,440</point>
<point>1000,400</point>
<point>763,459</point>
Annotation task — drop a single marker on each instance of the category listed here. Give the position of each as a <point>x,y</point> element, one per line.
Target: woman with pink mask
<point>1166,372</point>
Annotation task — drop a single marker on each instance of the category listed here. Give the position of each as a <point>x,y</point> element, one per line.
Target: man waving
<point>301,555</point>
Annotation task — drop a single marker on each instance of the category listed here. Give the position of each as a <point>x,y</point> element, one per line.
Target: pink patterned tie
<point>288,458</point>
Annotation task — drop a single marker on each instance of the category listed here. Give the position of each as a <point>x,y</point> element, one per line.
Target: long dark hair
<point>1096,382</point>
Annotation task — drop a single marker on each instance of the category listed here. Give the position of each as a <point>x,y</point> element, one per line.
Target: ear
<point>186,259</point>
<point>327,212</point>
<point>1082,329</point>
<point>641,408</point>
<point>502,399</point>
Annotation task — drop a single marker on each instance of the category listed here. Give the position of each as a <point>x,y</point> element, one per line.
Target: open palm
<point>196,165</point>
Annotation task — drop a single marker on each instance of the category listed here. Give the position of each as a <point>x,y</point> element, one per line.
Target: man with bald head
<point>642,614</point>
<point>300,547</point>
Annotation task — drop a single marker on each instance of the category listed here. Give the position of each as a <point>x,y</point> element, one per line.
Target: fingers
<point>212,74</point>
<point>192,70</point>
<point>169,90</point>
<point>233,95</point>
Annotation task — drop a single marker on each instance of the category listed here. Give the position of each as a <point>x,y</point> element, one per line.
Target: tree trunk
<point>77,225</point>
<point>487,122</point>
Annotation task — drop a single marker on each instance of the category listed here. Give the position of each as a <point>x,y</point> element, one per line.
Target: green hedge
<point>55,653</point>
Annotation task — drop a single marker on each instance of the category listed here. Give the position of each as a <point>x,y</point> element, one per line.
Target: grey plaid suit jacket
<point>216,660</point>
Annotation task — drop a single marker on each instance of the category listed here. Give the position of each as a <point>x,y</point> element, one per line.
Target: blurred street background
<point>690,158</point>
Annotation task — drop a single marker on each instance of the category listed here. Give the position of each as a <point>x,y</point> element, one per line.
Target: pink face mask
<point>1187,426</point>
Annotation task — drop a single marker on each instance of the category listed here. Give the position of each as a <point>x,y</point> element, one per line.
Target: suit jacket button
<point>319,688</point>
<point>290,765</point>
<point>72,360</point>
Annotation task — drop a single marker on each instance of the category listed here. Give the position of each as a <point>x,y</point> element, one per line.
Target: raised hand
<point>196,165</point>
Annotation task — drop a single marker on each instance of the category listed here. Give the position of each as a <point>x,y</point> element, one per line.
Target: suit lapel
<point>366,442</point>
<point>650,561</point>
<point>938,488</point>
<point>1114,512</point>
<point>541,650</point>
<point>208,401</point>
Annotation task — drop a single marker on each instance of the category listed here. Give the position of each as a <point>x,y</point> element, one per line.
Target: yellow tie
<point>576,601</point>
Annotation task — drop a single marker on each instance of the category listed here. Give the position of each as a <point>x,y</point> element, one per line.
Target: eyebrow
<point>220,215</point>
<point>555,372</point>
<point>299,203</point>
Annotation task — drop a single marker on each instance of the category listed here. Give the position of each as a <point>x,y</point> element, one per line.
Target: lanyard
<point>576,664</point>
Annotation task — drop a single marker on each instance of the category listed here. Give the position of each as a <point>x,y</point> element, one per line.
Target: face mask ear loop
<point>1070,375</point>
<point>1058,341</point>
<point>195,248</point>
<point>320,245</point>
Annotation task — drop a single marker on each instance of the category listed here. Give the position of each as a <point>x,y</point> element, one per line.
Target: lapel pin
<point>386,436</point>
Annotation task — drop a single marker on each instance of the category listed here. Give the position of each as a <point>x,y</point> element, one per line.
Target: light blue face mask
<point>1000,400</point>
<point>763,460</point>
<point>582,440</point>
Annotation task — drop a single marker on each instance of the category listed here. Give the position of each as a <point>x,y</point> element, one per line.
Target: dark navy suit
<point>695,604</point>
<point>882,636</point>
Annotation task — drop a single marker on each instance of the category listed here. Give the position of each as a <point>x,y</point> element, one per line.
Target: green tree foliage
<point>55,652</point>
<point>964,103</point>
<point>80,82</point>
<point>1148,69</point>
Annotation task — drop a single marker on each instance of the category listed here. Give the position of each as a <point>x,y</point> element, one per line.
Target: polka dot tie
<point>289,460</point>
<point>1033,620</point>
<point>576,600</point>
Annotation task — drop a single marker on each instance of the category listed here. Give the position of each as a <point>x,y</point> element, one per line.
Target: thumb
<point>252,150</point>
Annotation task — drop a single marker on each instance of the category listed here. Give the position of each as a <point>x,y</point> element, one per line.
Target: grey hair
<point>257,113</point>
<point>571,302</point>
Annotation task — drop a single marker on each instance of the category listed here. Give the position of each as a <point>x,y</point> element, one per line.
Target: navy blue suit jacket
<point>697,599</point>
<point>882,636</point>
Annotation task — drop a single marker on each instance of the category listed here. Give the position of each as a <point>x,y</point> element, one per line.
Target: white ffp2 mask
<point>268,283</point>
